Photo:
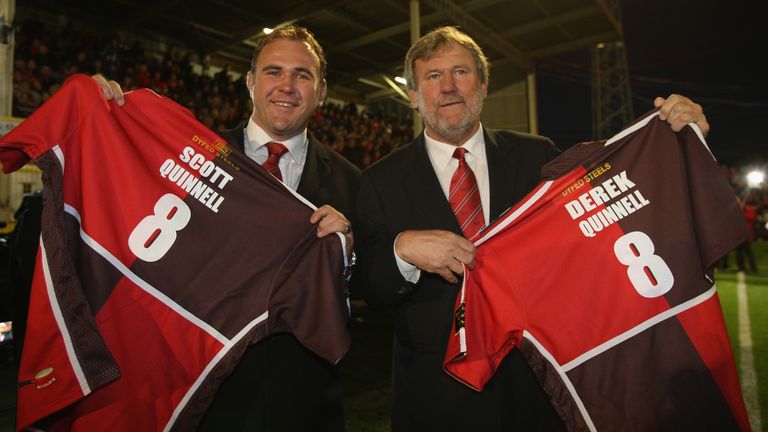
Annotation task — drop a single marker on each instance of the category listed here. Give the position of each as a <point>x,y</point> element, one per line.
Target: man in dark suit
<point>279,385</point>
<point>411,246</point>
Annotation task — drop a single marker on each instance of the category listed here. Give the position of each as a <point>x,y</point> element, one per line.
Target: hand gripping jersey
<point>163,255</point>
<point>599,276</point>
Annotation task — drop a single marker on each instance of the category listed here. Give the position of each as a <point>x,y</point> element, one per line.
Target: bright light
<point>755,178</point>
<point>267,30</point>
<point>401,80</point>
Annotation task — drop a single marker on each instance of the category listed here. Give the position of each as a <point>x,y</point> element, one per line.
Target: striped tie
<point>276,150</point>
<point>464,197</point>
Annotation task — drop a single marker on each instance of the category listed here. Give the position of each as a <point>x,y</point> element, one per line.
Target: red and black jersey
<point>600,276</point>
<point>163,254</point>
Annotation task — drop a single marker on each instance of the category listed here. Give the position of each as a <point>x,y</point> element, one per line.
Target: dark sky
<point>707,50</point>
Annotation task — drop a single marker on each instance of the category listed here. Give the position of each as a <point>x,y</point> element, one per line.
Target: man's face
<point>285,87</point>
<point>449,94</point>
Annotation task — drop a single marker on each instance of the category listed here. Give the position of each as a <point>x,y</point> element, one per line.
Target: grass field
<point>757,297</point>
<point>366,368</point>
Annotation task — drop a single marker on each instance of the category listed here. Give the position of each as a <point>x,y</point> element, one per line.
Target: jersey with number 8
<point>160,263</point>
<point>658,279</point>
<point>156,233</point>
<point>619,320</point>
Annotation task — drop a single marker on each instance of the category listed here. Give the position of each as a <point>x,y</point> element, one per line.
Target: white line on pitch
<point>747,363</point>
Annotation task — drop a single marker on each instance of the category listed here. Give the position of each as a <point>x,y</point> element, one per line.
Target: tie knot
<point>272,164</point>
<point>459,153</point>
<point>276,149</point>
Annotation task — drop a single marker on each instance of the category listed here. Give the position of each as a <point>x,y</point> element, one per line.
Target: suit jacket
<point>401,192</point>
<point>279,385</point>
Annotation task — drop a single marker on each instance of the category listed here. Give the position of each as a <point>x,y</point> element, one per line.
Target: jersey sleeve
<point>713,207</point>
<point>51,123</point>
<point>309,290</point>
<point>65,357</point>
<point>157,235</point>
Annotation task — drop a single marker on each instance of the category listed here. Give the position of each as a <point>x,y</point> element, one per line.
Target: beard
<point>457,131</point>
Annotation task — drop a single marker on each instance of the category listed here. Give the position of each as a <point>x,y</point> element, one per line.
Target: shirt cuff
<point>410,272</point>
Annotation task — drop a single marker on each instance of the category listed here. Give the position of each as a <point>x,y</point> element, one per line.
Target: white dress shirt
<point>291,163</point>
<point>444,165</point>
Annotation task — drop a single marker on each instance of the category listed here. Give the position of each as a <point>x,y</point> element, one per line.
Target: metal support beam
<point>403,27</point>
<point>395,87</point>
<point>533,108</point>
<point>611,95</point>
<point>612,13</point>
<point>547,23</point>
<point>372,83</point>
<point>574,45</point>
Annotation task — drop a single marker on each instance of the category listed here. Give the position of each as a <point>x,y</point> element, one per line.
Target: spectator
<point>745,249</point>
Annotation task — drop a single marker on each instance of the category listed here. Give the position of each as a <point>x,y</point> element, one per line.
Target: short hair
<point>295,33</point>
<point>431,43</point>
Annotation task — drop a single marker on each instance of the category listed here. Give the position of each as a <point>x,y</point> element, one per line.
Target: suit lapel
<point>425,192</point>
<point>316,169</point>
<point>502,169</point>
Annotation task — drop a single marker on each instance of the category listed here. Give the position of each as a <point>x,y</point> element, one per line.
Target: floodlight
<point>755,178</point>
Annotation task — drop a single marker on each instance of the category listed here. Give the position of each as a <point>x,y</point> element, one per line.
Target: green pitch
<point>757,299</point>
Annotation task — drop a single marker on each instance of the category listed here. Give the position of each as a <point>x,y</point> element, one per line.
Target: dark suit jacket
<point>279,385</point>
<point>401,192</point>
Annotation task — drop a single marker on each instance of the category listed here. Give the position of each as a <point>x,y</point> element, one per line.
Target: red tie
<point>276,150</point>
<point>464,197</point>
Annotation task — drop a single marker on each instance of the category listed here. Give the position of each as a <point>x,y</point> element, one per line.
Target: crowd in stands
<point>753,199</point>
<point>362,138</point>
<point>756,194</point>
<point>44,58</point>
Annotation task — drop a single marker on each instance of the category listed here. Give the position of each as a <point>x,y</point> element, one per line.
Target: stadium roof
<point>365,40</point>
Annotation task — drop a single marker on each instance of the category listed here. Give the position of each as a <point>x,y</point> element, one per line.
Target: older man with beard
<point>416,210</point>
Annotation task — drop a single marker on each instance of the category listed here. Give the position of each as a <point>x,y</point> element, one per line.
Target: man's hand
<point>329,221</point>
<point>111,89</point>
<point>678,111</point>
<point>436,251</point>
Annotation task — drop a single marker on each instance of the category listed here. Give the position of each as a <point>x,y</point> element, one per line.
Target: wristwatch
<point>350,266</point>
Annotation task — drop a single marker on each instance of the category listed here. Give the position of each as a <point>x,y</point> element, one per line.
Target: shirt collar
<point>442,153</point>
<point>257,137</point>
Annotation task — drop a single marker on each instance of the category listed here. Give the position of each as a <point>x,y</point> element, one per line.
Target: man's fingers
<point>435,251</point>
<point>117,93</point>
<point>465,244</point>
<point>465,257</point>
<point>322,212</point>
<point>329,221</point>
<point>111,89</point>
<point>678,111</point>
<point>455,266</point>
<point>337,225</point>
<point>103,85</point>
<point>448,275</point>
